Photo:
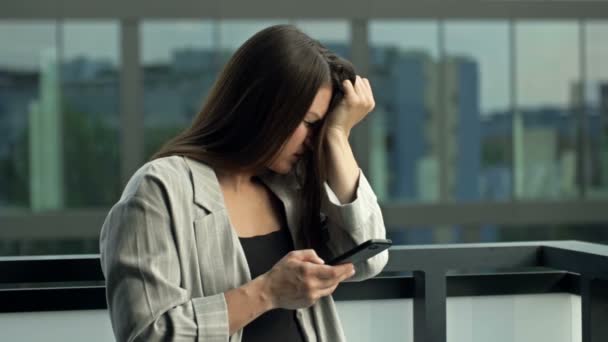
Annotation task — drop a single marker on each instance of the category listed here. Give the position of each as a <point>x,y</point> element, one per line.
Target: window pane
<point>403,58</point>
<point>597,104</point>
<point>233,33</point>
<point>179,66</point>
<point>90,102</point>
<point>545,126</point>
<point>478,82</point>
<point>59,117</point>
<point>21,66</point>
<point>335,35</point>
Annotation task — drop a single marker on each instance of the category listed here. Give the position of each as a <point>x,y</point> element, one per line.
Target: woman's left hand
<point>358,101</point>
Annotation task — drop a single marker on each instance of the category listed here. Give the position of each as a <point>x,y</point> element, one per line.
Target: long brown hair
<point>265,90</point>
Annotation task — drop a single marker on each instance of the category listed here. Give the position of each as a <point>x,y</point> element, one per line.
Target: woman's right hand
<point>300,278</point>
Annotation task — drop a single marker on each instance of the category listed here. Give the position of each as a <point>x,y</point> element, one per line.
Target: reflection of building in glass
<point>464,141</point>
<point>496,176</point>
<point>17,89</point>
<point>548,165</point>
<point>406,86</point>
<point>405,102</point>
<point>174,91</point>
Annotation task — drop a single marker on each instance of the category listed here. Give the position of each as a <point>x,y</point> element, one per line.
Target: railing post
<point>430,306</point>
<point>594,309</point>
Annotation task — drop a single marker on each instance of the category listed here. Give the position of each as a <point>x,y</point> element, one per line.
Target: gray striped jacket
<point>168,253</point>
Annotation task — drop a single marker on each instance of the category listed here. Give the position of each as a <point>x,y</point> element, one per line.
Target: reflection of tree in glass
<point>156,136</point>
<point>91,161</point>
<point>495,152</point>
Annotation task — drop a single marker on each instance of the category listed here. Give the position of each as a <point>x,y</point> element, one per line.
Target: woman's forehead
<point>319,105</point>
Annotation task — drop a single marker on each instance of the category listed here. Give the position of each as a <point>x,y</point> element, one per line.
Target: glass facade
<point>466,111</point>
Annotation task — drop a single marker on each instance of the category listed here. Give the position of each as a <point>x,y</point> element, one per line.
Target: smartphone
<point>362,252</point>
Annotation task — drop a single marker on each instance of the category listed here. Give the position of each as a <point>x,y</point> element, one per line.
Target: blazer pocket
<point>216,253</point>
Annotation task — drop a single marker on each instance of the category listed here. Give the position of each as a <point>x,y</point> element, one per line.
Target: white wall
<point>522,318</point>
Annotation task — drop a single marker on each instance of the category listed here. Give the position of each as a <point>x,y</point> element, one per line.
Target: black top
<point>263,252</point>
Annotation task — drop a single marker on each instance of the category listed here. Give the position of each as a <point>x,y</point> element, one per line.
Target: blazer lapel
<point>223,264</point>
<point>285,188</point>
<point>207,192</point>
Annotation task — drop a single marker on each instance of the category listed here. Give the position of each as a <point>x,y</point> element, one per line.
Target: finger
<point>317,283</point>
<point>307,255</point>
<point>316,277</point>
<point>343,276</point>
<point>327,291</point>
<point>359,87</point>
<point>322,284</point>
<point>332,273</point>
<point>349,90</point>
<point>368,87</point>
<point>364,89</point>
<point>347,271</point>
<point>369,93</point>
<point>362,92</point>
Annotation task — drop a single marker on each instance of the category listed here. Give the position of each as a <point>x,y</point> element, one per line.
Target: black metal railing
<point>428,274</point>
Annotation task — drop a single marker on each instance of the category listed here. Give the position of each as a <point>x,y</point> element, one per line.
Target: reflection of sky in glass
<point>97,40</point>
<point>492,56</point>
<point>33,38</point>
<point>547,62</point>
<point>334,31</point>
<point>410,35</point>
<point>160,38</point>
<point>233,33</point>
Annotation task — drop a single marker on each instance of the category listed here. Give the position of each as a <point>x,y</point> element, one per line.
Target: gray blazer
<point>168,253</point>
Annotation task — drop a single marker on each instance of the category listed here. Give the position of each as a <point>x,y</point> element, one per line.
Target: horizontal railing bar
<point>575,256</point>
<point>32,270</point>
<point>48,297</point>
<point>571,256</point>
<point>53,299</point>
<point>463,257</point>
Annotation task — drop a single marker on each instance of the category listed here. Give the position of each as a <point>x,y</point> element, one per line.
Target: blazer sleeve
<point>140,262</point>
<point>348,225</point>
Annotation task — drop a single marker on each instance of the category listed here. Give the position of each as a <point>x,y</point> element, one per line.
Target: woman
<point>223,235</point>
